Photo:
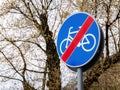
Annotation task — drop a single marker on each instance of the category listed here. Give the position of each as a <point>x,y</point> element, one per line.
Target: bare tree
<point>17,54</point>
<point>36,12</point>
<point>21,72</point>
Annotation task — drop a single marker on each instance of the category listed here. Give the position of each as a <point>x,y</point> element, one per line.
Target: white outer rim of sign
<point>97,45</point>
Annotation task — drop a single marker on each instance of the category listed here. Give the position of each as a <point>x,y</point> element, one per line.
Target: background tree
<point>36,13</point>
<point>20,60</point>
<point>39,18</point>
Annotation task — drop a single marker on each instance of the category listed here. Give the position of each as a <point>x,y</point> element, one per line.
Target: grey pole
<point>80,79</point>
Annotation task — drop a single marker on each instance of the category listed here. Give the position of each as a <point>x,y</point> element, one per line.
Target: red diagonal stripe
<point>88,22</point>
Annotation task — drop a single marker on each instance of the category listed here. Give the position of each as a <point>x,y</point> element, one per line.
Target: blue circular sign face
<point>78,39</point>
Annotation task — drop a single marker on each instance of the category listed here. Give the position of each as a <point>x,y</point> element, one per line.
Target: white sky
<point>1,2</point>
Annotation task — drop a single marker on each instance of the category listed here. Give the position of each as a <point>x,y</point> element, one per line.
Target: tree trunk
<point>53,61</point>
<point>26,86</point>
<point>54,82</point>
<point>107,41</point>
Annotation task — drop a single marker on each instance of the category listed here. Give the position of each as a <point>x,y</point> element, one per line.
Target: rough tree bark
<point>53,62</point>
<point>27,86</point>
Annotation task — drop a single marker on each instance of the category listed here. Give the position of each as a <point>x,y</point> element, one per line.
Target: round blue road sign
<point>78,39</point>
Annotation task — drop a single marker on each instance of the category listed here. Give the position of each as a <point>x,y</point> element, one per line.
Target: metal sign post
<point>80,79</point>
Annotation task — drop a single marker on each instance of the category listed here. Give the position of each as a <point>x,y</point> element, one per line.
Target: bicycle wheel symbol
<point>63,45</point>
<point>87,43</point>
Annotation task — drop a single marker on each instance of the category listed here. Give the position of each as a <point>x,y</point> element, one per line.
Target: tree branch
<point>11,78</point>
<point>11,64</point>
<point>49,3</point>
<point>36,71</point>
<point>117,17</point>
<point>35,8</point>
<point>31,43</point>
<point>22,56</point>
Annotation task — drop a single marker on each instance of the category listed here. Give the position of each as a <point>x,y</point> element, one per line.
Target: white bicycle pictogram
<point>85,41</point>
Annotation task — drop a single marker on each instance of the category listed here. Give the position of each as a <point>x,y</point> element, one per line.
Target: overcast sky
<point>1,1</point>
